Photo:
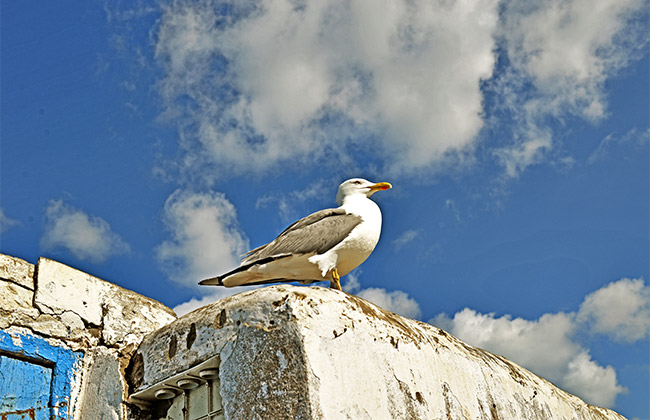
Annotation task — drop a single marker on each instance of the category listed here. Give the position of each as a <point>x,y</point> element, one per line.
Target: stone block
<point>17,271</point>
<point>128,317</point>
<point>14,297</point>
<point>124,315</point>
<point>67,326</point>
<point>60,288</point>
<point>72,321</point>
<point>102,386</point>
<point>48,325</point>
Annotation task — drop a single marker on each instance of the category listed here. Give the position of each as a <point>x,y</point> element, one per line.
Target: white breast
<point>359,244</point>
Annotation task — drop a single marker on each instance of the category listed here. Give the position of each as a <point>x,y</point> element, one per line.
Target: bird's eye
<point>357,182</point>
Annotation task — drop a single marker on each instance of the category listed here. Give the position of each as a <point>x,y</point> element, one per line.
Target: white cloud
<point>405,238</point>
<point>549,347</point>
<point>86,237</point>
<point>395,301</point>
<point>273,82</point>
<point>6,223</point>
<point>620,310</point>
<point>256,84</point>
<point>569,48</point>
<point>351,283</point>
<point>560,54</point>
<point>270,81</point>
<point>544,346</point>
<point>206,240</point>
<point>593,382</point>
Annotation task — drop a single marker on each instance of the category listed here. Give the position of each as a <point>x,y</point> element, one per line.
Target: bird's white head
<point>359,187</point>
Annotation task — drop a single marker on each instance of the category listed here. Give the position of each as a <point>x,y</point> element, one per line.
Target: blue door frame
<point>37,377</point>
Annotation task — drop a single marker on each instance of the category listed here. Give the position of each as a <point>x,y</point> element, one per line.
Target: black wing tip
<point>214,281</point>
<point>218,281</point>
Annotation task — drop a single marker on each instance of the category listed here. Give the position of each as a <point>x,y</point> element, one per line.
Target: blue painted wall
<point>36,377</point>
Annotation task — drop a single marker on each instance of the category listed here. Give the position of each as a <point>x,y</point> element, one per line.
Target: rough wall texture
<point>76,311</point>
<point>282,352</point>
<point>315,353</point>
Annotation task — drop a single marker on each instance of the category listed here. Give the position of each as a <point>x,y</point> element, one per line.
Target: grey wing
<point>313,218</point>
<point>305,221</point>
<point>316,233</point>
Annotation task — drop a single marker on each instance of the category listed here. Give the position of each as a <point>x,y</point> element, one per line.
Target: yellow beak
<point>381,186</point>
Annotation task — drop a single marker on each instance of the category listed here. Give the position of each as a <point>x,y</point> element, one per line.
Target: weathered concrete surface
<point>14,297</point>
<point>58,301</point>
<point>128,317</point>
<point>74,310</point>
<point>16,270</point>
<point>315,353</point>
<point>123,316</point>
<point>103,384</point>
<point>61,288</point>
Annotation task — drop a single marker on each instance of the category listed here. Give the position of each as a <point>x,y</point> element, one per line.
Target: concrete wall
<point>273,353</point>
<point>315,353</point>
<point>50,310</point>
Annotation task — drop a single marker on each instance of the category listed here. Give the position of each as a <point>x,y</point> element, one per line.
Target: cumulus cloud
<point>569,48</point>
<point>591,381</point>
<point>6,223</point>
<point>257,83</point>
<point>206,239</point>
<point>86,237</point>
<point>395,301</point>
<point>620,310</point>
<point>544,346</point>
<point>253,84</point>
<point>351,284</point>
<point>549,347</point>
<point>559,55</point>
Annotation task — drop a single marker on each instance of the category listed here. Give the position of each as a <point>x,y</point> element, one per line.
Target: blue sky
<point>150,144</point>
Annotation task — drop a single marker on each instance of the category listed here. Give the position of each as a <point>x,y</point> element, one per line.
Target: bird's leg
<point>335,283</point>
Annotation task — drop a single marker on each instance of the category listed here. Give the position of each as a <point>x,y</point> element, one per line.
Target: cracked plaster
<point>69,308</point>
<point>17,271</point>
<point>326,354</point>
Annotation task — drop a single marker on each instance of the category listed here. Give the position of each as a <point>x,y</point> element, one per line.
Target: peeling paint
<point>65,364</point>
<point>80,328</point>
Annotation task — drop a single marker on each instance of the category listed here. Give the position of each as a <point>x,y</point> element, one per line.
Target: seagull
<point>325,245</point>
